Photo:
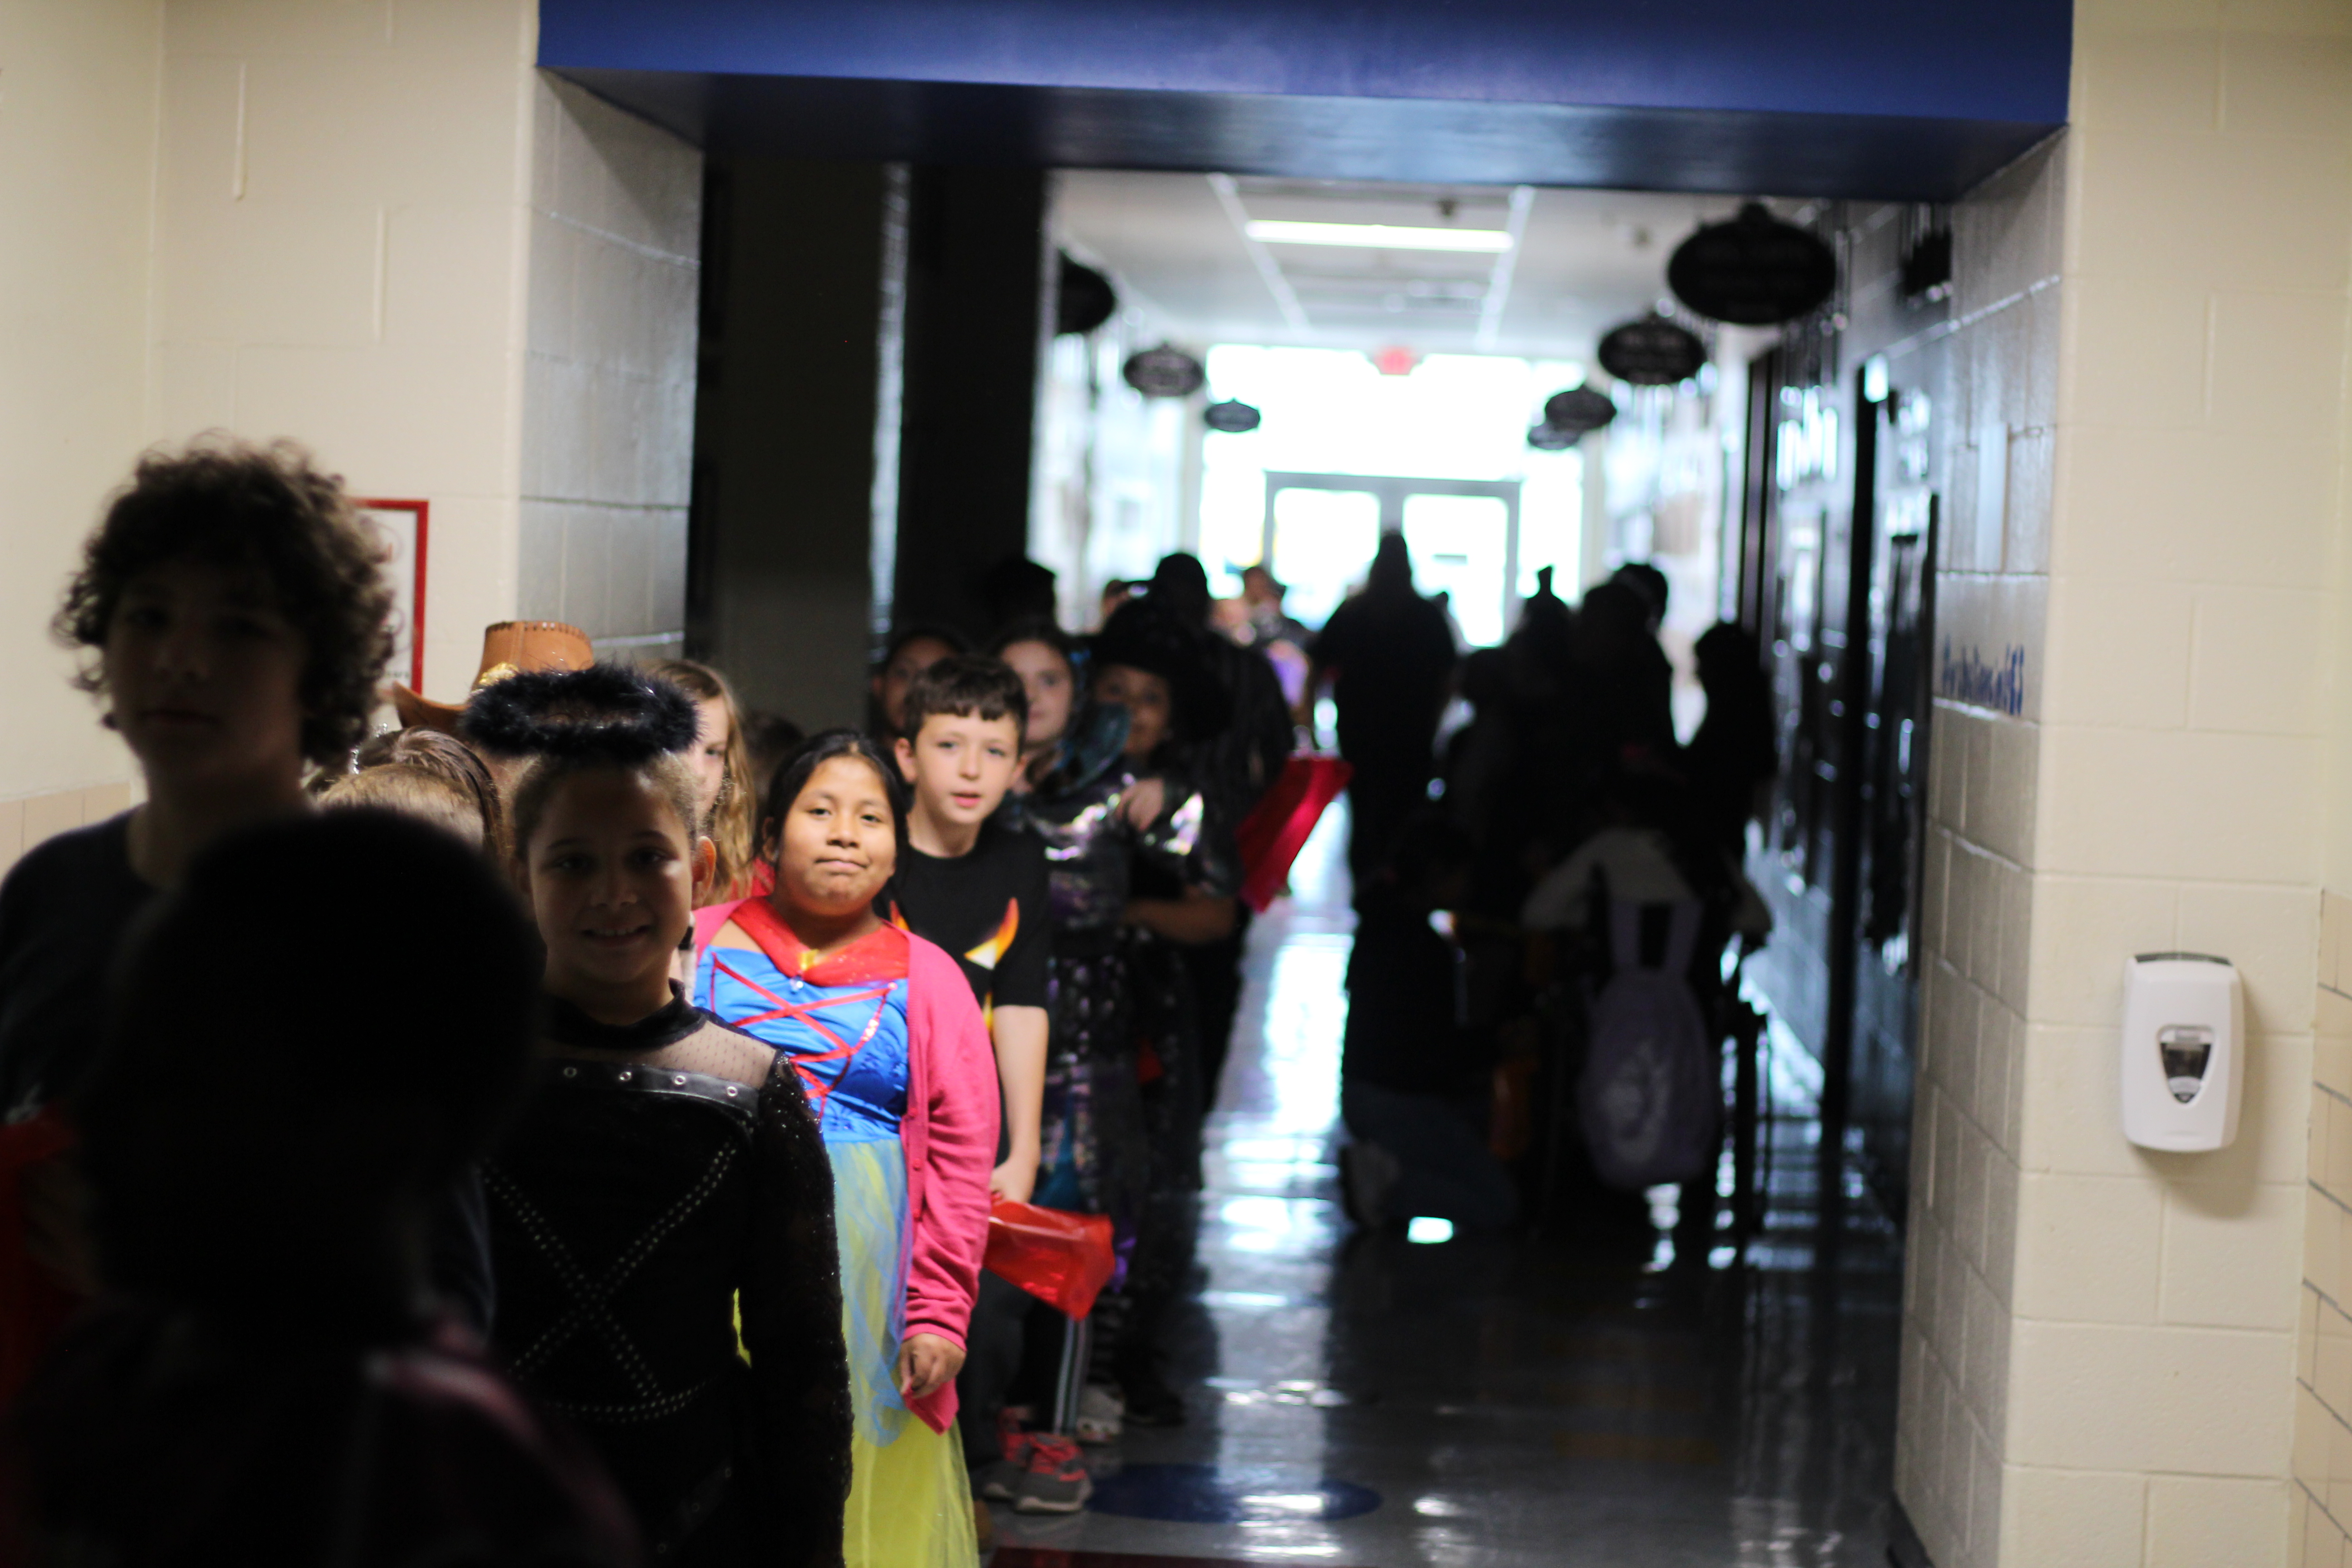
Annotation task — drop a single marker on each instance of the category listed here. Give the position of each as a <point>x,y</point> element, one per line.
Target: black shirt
<point>63,912</point>
<point>1394,658</point>
<point>987,908</point>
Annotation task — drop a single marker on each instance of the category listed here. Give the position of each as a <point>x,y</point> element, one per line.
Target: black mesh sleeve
<point>792,1327</point>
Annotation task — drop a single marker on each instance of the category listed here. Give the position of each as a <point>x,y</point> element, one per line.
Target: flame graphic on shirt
<point>985,955</point>
<point>989,952</point>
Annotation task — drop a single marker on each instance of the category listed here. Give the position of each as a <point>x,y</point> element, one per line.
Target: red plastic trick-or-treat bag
<point>1064,1259</point>
<point>1271,837</point>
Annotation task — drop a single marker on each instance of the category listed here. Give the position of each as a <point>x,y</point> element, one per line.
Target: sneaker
<point>1368,1173</point>
<point>1100,1411</point>
<point>1056,1480</point>
<point>999,1478</point>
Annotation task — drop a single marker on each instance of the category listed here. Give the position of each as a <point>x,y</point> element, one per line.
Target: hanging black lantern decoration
<point>1652,351</point>
<point>1083,299</point>
<point>1755,270</point>
<point>1577,410</point>
<point>1231,417</point>
<point>1164,372</point>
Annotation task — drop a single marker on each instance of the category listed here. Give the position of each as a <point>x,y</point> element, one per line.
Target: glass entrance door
<point>1463,534</point>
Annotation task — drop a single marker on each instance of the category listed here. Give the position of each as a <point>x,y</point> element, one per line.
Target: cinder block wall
<point>340,257</point>
<point>382,232</point>
<point>2319,1519</point>
<point>369,227</point>
<point>1992,590</point>
<point>2101,1355</point>
<point>608,391</point>
<point>77,174</point>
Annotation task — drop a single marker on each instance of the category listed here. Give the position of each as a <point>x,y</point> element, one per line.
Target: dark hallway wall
<point>830,506</point>
<point>796,421</point>
<point>975,288</point>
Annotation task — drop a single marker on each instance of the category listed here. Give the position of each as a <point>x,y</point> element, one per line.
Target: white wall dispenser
<point>2184,1051</point>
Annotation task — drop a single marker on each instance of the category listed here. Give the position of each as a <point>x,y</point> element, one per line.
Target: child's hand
<point>1146,799</point>
<point>1014,1180</point>
<point>926,1363</point>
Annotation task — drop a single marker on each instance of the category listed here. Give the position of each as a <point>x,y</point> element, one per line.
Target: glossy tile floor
<point>1363,1401</point>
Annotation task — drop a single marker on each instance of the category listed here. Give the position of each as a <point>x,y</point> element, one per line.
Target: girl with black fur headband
<point>668,1166</point>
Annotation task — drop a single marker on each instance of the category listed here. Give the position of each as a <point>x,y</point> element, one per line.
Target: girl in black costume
<point>668,1166</point>
<point>1138,859</point>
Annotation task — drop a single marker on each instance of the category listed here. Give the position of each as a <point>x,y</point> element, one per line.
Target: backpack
<point>1651,1094</point>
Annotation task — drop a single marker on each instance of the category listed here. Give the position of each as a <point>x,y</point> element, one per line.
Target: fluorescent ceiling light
<point>1378,235</point>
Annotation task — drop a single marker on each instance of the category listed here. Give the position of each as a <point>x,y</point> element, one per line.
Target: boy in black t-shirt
<point>978,888</point>
<point>975,887</point>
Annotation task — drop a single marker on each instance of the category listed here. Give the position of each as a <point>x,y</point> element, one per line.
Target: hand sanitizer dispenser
<point>2184,1052</point>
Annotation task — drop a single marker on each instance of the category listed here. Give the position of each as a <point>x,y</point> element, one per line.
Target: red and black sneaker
<point>1001,1479</point>
<point>1055,1480</point>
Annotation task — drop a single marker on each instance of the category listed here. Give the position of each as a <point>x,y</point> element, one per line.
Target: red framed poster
<point>402,524</point>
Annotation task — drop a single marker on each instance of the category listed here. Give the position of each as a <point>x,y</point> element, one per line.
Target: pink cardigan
<point>950,1139</point>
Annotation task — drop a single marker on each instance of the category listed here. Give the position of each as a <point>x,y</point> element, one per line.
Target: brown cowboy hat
<point>509,647</point>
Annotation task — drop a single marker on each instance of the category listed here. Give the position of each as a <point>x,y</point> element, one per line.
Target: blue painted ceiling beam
<point>1827,96</point>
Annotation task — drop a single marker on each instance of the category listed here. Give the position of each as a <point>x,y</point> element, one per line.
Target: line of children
<point>894,1010</point>
<point>666,1170</point>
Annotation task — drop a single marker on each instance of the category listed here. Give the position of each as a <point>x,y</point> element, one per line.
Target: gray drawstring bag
<point>1650,1096</point>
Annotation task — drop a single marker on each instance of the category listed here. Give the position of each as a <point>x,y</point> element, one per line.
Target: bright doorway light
<point>1324,540</point>
<point>1330,411</point>
<point>1457,544</point>
<point>1380,236</point>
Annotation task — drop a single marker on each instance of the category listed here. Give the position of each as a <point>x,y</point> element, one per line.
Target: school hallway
<point>1368,1401</point>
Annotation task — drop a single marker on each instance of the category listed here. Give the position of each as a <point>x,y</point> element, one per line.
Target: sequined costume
<point>1094,1154</point>
<point>665,1174</point>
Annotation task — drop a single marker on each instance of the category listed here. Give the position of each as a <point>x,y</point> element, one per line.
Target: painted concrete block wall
<point>2201,411</point>
<point>609,378</point>
<point>2319,1516</point>
<point>2118,1384</point>
<point>370,227</point>
<point>2000,366</point>
<point>342,235</point>
<point>77,147</point>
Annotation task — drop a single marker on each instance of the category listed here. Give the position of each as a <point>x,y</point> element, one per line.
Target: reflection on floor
<point>1370,1403</point>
